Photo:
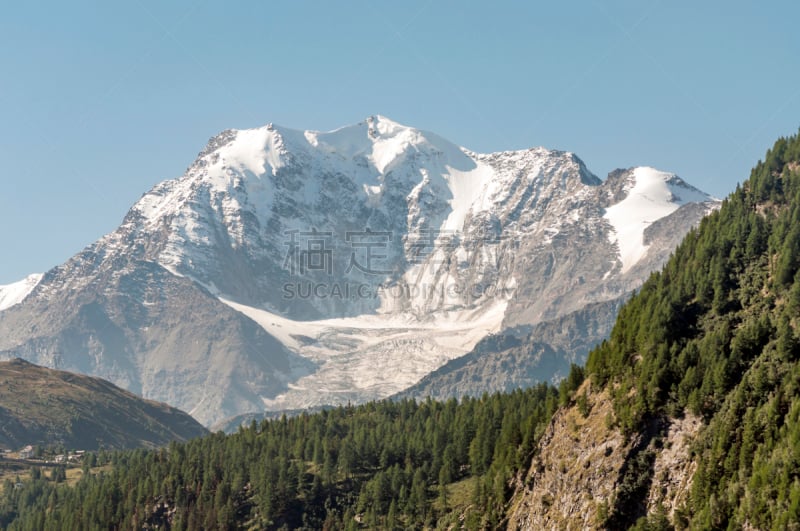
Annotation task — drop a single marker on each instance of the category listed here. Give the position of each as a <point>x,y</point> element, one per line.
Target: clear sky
<point>101,100</point>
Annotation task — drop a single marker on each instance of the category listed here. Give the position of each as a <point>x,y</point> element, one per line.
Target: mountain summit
<point>288,269</point>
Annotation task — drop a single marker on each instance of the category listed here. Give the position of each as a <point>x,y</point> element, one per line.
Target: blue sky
<point>99,102</point>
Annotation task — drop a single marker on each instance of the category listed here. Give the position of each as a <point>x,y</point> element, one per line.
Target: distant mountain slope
<point>48,407</point>
<point>516,359</point>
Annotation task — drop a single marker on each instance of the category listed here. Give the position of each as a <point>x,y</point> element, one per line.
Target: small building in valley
<point>27,452</point>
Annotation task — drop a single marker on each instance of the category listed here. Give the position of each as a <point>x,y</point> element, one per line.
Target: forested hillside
<point>716,334</point>
<point>382,465</point>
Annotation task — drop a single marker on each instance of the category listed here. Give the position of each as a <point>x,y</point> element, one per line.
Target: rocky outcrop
<point>587,475</point>
<point>674,467</point>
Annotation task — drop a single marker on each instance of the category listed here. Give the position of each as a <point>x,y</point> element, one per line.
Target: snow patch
<point>13,294</point>
<point>653,195</point>
<point>250,151</point>
<point>469,191</point>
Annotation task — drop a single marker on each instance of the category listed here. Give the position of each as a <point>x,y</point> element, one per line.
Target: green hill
<point>47,407</point>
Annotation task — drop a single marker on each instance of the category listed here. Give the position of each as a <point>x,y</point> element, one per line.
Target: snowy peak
<point>651,194</point>
<point>439,204</point>
<point>249,188</point>
<point>383,142</point>
<point>664,187</point>
<point>656,186</point>
<point>365,152</point>
<point>13,294</point>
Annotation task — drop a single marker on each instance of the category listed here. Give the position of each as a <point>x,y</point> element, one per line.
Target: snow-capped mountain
<point>290,268</point>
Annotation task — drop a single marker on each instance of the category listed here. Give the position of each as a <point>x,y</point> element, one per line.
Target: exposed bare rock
<point>674,467</point>
<point>572,479</point>
<point>588,475</point>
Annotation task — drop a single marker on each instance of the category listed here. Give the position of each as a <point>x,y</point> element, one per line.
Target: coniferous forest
<point>381,465</point>
<point>714,334</point>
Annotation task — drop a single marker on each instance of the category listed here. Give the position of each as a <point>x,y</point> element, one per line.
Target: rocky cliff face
<point>290,269</point>
<point>587,475</point>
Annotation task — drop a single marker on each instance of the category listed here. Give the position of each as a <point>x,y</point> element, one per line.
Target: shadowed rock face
<point>521,357</point>
<point>466,242</point>
<point>48,407</point>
